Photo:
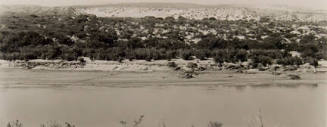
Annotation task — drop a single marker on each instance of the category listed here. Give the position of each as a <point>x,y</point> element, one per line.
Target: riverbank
<point>68,78</point>
<point>158,65</point>
<point>176,71</point>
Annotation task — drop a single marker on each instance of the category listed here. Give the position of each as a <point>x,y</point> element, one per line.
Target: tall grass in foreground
<point>215,124</point>
<point>256,121</point>
<point>135,123</point>
<point>16,123</point>
<point>56,124</point>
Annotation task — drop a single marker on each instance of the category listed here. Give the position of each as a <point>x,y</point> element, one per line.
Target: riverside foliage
<point>25,37</point>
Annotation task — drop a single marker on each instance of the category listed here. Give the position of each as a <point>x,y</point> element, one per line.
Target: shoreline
<point>158,78</point>
<point>156,65</point>
<point>131,76</point>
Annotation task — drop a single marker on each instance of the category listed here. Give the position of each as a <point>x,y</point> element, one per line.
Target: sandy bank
<point>12,77</point>
<point>149,66</point>
<point>140,73</point>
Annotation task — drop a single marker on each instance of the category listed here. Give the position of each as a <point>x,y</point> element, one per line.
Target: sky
<point>315,4</point>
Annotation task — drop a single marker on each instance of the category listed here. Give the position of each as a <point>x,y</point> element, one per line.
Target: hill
<point>69,33</point>
<point>35,10</point>
<point>187,10</point>
<point>196,11</point>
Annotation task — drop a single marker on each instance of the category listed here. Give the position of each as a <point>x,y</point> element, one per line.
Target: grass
<point>257,121</point>
<point>17,123</point>
<point>135,123</point>
<point>57,124</point>
<point>215,124</point>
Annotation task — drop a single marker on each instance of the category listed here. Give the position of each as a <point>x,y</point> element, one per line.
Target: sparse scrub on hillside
<point>150,38</point>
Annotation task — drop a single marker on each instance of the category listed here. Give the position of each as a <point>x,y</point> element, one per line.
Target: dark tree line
<point>115,39</point>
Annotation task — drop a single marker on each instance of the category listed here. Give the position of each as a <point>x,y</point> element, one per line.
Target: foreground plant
<point>56,124</point>
<point>215,124</point>
<point>257,121</point>
<point>16,123</point>
<point>136,122</point>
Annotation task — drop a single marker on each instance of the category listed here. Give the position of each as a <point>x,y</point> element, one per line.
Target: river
<point>24,97</point>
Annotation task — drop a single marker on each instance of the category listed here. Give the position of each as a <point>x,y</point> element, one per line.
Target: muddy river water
<point>170,105</point>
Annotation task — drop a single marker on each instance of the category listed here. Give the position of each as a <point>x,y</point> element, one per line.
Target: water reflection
<point>260,86</point>
<point>104,102</point>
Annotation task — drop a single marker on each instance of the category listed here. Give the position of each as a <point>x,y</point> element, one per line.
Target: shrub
<point>186,54</point>
<point>274,54</point>
<point>82,61</point>
<point>219,56</point>
<point>241,55</point>
<point>312,61</point>
<point>171,54</point>
<point>264,60</point>
<point>56,124</point>
<point>309,50</point>
<point>16,123</point>
<point>294,77</point>
<point>229,55</point>
<point>290,61</point>
<point>172,64</point>
<point>215,124</point>
<point>202,54</point>
<point>192,65</point>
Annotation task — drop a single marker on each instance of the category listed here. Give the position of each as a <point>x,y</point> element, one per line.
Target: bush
<point>82,61</point>
<point>172,64</point>
<point>290,61</point>
<point>294,77</point>
<point>274,54</point>
<point>202,54</point>
<point>241,55</point>
<point>312,61</point>
<point>171,54</point>
<point>219,56</point>
<point>229,55</point>
<point>264,60</point>
<point>16,123</point>
<point>186,54</point>
<point>215,124</point>
<point>192,65</point>
<point>309,50</point>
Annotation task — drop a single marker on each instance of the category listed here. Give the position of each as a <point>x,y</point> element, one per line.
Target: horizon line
<point>189,3</point>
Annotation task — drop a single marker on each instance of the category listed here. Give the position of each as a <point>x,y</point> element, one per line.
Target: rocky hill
<point>191,11</point>
<point>67,33</point>
<point>35,10</point>
<point>194,11</point>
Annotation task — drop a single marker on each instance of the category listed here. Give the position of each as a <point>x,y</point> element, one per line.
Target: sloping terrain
<point>66,33</point>
<point>190,11</point>
<point>35,10</point>
<point>194,11</point>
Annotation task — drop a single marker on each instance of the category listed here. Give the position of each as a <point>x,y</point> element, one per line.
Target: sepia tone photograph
<point>163,63</point>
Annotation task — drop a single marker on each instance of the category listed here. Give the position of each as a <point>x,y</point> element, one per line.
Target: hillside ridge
<point>187,10</point>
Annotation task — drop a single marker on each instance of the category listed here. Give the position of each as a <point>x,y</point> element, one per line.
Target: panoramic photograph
<point>163,63</point>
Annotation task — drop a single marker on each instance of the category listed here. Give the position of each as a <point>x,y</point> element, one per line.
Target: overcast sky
<point>318,4</point>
